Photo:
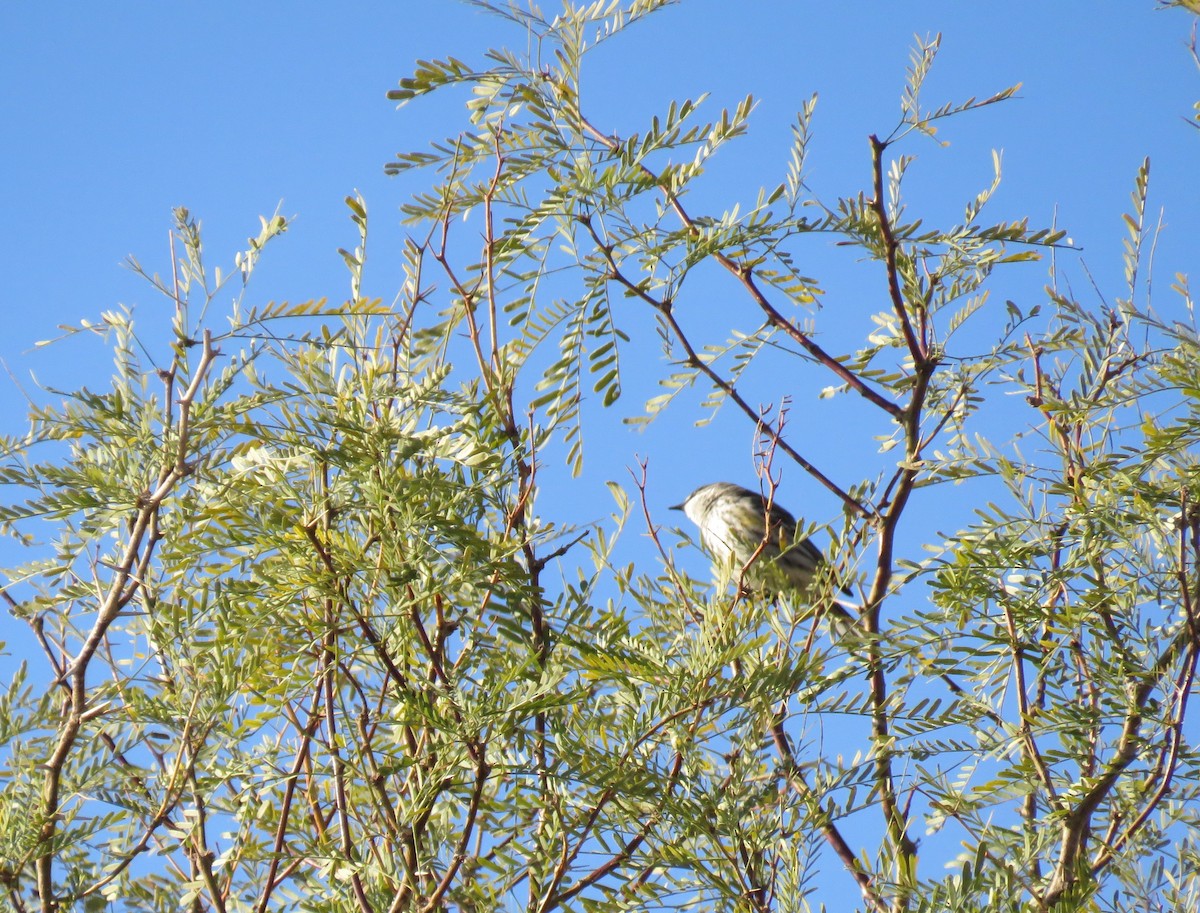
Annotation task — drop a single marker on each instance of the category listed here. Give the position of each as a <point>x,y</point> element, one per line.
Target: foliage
<point>302,650</point>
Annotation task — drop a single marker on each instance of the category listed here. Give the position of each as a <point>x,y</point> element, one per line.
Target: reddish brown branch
<point>127,580</point>
<point>918,348</point>
<point>693,360</point>
<point>829,830</point>
<point>745,275</point>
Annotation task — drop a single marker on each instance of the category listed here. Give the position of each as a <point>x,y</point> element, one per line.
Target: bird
<point>736,524</point>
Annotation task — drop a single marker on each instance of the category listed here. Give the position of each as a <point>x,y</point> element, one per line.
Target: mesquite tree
<point>316,636</point>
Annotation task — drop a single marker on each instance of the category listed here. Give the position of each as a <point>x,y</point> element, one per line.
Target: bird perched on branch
<point>737,523</point>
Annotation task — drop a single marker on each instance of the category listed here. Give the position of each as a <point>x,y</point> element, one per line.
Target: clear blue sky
<point>113,113</point>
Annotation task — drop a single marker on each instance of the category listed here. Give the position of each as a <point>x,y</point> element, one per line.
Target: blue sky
<point>114,114</point>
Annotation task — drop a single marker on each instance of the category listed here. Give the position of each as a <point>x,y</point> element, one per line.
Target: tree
<point>307,643</point>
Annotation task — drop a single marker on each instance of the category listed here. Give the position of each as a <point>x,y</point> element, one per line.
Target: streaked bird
<point>736,522</point>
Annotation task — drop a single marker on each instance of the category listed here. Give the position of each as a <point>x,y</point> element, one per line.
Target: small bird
<point>735,522</point>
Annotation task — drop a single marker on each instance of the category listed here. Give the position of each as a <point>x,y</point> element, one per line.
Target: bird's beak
<point>675,507</point>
